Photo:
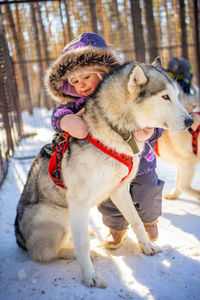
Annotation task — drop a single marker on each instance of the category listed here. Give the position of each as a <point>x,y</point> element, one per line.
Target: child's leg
<point>112,217</point>
<point>146,192</point>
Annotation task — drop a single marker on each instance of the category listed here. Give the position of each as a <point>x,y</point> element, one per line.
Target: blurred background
<point>33,34</point>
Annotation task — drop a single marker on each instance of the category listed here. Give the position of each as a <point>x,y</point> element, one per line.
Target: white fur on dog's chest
<point>95,166</point>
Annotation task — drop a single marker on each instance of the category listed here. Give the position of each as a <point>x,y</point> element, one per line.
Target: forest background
<point>37,31</point>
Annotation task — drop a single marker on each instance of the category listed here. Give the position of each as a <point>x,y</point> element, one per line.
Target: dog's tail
<point>19,237</point>
<point>29,196</point>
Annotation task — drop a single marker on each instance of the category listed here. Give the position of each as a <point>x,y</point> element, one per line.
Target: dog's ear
<point>157,62</point>
<point>137,77</point>
<point>189,107</point>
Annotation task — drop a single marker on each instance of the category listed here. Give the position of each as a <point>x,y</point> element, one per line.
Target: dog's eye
<point>166,97</point>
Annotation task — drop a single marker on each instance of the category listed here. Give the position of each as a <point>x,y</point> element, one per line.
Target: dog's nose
<point>189,122</point>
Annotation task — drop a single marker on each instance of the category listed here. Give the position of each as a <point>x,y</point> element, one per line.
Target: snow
<point>172,274</point>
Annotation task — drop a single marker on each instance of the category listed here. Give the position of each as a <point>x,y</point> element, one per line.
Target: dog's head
<point>141,95</point>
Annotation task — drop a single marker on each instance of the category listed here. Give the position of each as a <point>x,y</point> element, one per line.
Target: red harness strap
<point>54,168</point>
<point>194,139</point>
<point>156,148</point>
<point>125,159</point>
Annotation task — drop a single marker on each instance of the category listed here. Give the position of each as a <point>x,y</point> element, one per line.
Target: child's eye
<point>75,81</point>
<point>86,77</point>
<point>166,97</point>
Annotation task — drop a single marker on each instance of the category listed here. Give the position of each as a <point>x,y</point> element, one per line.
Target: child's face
<point>85,84</point>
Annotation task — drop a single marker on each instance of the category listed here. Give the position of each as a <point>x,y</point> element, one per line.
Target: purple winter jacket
<point>147,157</point>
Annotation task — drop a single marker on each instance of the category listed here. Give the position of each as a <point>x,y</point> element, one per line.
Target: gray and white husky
<point>131,97</point>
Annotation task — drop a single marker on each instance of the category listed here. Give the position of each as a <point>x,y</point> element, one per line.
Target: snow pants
<point>146,193</point>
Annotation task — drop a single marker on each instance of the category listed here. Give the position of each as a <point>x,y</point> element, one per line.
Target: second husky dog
<point>131,97</point>
<point>170,148</point>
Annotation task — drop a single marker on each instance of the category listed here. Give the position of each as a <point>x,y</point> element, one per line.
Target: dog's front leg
<point>78,213</point>
<point>122,199</point>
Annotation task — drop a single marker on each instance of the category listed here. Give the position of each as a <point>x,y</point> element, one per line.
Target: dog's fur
<point>176,148</point>
<point>131,97</point>
<point>192,98</point>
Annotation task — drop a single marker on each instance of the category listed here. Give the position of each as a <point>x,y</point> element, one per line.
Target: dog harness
<point>56,151</point>
<point>156,148</point>
<point>59,146</point>
<point>195,137</point>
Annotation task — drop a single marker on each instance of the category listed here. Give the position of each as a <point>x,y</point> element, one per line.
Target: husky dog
<point>131,97</point>
<point>170,148</point>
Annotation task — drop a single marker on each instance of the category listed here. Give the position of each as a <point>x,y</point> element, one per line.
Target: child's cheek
<point>94,84</point>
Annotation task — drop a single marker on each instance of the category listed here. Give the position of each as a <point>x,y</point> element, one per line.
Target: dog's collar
<point>127,137</point>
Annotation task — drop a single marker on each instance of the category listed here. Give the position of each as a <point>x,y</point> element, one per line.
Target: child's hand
<point>75,125</point>
<point>143,134</point>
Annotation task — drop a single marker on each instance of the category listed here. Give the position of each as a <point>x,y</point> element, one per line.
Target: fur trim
<point>74,60</point>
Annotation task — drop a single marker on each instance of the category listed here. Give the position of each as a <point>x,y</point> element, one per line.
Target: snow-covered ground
<point>172,274</point>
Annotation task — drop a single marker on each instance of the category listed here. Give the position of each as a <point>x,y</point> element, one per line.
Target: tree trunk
<point>93,15</point>
<point>128,34</point>
<point>44,45</point>
<point>69,30</point>
<point>50,35</point>
<point>168,32</point>
<point>63,25</point>
<point>137,31</point>
<point>20,37</point>
<point>151,29</point>
<point>120,29</point>
<point>158,24</point>
<point>19,54</point>
<point>2,27</point>
<point>104,21</point>
<point>176,26</point>
<point>197,40</point>
<point>183,29</point>
<point>42,96</point>
<point>43,33</point>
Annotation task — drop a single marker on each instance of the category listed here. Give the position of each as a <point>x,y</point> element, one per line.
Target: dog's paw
<point>93,255</point>
<point>94,280</point>
<point>170,196</point>
<point>149,248</point>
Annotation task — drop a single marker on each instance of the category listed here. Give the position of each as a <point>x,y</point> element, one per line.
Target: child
<point>74,76</point>
<point>181,70</point>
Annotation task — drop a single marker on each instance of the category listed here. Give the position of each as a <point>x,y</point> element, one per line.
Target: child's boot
<point>152,230</point>
<point>115,238</point>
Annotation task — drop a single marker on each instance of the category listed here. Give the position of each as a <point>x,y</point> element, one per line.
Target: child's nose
<point>81,84</point>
